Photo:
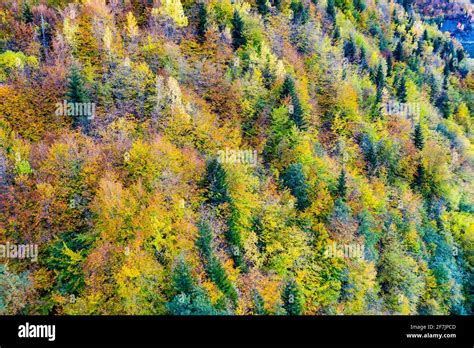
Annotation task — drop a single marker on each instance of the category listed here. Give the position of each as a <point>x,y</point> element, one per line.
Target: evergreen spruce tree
<point>202,22</point>
<point>331,10</point>
<point>77,93</point>
<point>359,5</point>
<point>238,38</point>
<point>26,12</point>
<point>389,65</point>
<point>295,180</point>
<point>337,34</point>
<point>297,113</point>
<point>277,4</point>
<point>262,7</point>
<point>291,297</point>
<point>182,278</point>
<point>419,178</point>
<point>215,182</point>
<point>342,185</point>
<point>418,137</point>
<point>258,303</point>
<point>350,49</point>
<point>402,93</point>
<point>300,12</point>
<point>398,53</point>
<point>370,155</point>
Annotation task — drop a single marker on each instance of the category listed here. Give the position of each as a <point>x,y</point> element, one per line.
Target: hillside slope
<point>234,157</point>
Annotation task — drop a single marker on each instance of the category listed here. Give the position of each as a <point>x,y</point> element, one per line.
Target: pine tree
<point>202,22</point>
<point>295,180</point>
<point>402,92</point>
<point>215,182</point>
<point>370,155</point>
<point>77,93</point>
<point>300,13</point>
<point>291,297</point>
<point>331,10</point>
<point>342,185</point>
<point>238,38</point>
<point>76,90</point>
<point>297,113</point>
<point>363,59</point>
<point>389,65</point>
<point>277,4</point>
<point>182,278</point>
<point>262,7</point>
<point>350,49</point>
<point>26,12</point>
<point>418,137</point>
<point>419,178</point>
<point>359,5</point>
<point>398,53</point>
<point>337,34</point>
<point>258,303</point>
<point>204,241</point>
<point>380,83</point>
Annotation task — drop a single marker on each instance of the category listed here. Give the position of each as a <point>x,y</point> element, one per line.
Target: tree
<point>389,65</point>
<point>360,5</point>
<point>183,281</point>
<point>296,111</point>
<point>341,185</point>
<point>202,22</point>
<point>77,93</point>
<point>277,4</point>
<point>350,49</point>
<point>370,155</point>
<point>26,12</point>
<point>398,53</point>
<point>189,299</point>
<point>262,7</point>
<point>402,92</point>
<point>238,38</point>
<point>295,180</point>
<point>300,13</point>
<point>418,139</point>
<point>419,178</point>
<point>291,297</point>
<point>258,303</point>
<point>215,182</point>
<point>331,10</point>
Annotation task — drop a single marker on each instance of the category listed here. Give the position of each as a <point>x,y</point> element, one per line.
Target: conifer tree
<point>402,92</point>
<point>238,38</point>
<point>337,33</point>
<point>296,113</point>
<point>77,93</point>
<point>26,12</point>
<point>262,7</point>
<point>182,278</point>
<point>277,4</point>
<point>202,22</point>
<point>215,182</point>
<point>418,137</point>
<point>291,297</point>
<point>300,13</point>
<point>398,53</point>
<point>350,49</point>
<point>419,178</point>
<point>258,303</point>
<point>295,180</point>
<point>389,65</point>
<point>370,155</point>
<point>331,10</point>
<point>342,185</point>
